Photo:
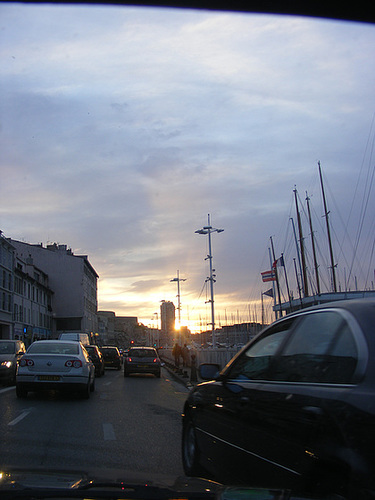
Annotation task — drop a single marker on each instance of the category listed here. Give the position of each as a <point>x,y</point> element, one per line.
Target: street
<point>132,423</point>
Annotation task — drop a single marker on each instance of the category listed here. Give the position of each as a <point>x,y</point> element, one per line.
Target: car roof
<point>363,310</point>
<point>57,341</point>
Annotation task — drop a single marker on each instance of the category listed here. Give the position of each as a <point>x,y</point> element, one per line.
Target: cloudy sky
<point>123,128</point>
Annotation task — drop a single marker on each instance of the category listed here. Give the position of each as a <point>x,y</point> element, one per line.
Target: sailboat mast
<point>313,246</point>
<point>304,273</point>
<point>276,276</point>
<point>328,231</point>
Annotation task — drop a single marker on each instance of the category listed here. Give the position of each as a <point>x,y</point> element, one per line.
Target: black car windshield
<point>158,167</point>
<point>7,347</point>
<point>53,348</point>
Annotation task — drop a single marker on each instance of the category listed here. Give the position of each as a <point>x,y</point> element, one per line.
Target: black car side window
<point>255,361</point>
<point>321,349</point>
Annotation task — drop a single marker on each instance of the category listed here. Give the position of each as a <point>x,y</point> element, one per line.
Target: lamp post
<point>178,279</point>
<point>208,230</point>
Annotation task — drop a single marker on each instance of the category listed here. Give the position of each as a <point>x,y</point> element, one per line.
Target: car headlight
<point>6,364</point>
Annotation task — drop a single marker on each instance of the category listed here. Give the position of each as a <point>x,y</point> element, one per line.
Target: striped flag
<point>268,276</point>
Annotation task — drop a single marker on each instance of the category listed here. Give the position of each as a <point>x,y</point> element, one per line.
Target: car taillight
<point>26,362</point>
<point>156,360</point>
<point>129,360</point>
<point>73,363</point>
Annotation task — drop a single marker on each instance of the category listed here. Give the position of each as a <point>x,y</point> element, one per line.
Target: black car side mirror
<point>209,371</point>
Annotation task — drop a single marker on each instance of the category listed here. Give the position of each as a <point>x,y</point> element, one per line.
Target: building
<point>73,281</point>
<point>122,331</point>
<point>32,302</point>
<point>7,253</point>
<point>168,318</point>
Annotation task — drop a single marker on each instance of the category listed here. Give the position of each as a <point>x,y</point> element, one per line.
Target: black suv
<point>295,408</point>
<point>97,358</point>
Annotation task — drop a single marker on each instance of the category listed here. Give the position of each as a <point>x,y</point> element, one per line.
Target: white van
<point>79,337</point>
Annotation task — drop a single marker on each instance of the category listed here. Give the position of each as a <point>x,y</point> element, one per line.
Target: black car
<point>11,352</point>
<point>142,360</point>
<point>97,358</point>
<point>295,408</point>
<point>111,356</point>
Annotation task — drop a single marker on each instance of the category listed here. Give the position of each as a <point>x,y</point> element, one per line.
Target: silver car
<point>55,365</point>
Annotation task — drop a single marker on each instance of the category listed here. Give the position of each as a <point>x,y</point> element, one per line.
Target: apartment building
<point>32,302</point>
<point>7,252</point>
<point>73,281</point>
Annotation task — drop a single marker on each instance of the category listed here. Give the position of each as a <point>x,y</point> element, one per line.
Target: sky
<point>123,128</point>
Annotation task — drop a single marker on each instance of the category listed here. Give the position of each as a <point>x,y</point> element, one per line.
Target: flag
<point>268,276</point>
<point>279,262</point>
<point>269,292</point>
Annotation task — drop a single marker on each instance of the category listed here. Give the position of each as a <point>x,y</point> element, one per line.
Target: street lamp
<point>178,279</point>
<point>208,230</point>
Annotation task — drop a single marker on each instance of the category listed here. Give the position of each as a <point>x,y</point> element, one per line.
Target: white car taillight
<point>73,363</point>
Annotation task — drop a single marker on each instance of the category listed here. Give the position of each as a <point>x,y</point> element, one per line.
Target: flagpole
<point>276,276</point>
<point>273,284</point>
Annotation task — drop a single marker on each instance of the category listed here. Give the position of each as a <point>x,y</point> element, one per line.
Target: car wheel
<point>190,450</point>
<point>86,391</point>
<point>21,392</point>
<point>92,386</point>
<point>126,374</point>
<point>157,374</point>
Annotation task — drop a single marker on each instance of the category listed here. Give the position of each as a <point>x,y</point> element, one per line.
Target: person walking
<point>176,351</point>
<point>185,356</point>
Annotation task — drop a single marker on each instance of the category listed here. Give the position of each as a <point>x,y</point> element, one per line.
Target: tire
<point>21,392</point>
<point>86,391</point>
<point>126,374</point>
<point>157,374</point>
<point>190,451</point>
<point>92,386</point>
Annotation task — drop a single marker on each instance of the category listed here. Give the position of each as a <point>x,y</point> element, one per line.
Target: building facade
<point>32,302</point>
<point>168,321</point>
<point>7,253</point>
<point>73,281</point>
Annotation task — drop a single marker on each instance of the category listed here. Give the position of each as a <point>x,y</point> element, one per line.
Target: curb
<point>177,376</point>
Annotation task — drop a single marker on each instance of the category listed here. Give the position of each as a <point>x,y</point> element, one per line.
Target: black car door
<point>291,419</point>
<point>232,406</point>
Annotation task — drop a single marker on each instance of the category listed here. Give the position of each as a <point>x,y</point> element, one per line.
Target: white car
<point>55,365</point>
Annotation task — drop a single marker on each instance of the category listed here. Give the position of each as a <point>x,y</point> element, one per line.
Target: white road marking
<point>108,432</point>
<point>21,416</point>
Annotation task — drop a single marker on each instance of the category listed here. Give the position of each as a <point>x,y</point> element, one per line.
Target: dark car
<point>295,408</point>
<point>97,358</point>
<point>111,356</point>
<point>142,360</point>
<point>11,352</point>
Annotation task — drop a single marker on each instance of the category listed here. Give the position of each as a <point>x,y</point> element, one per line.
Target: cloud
<point>122,128</point>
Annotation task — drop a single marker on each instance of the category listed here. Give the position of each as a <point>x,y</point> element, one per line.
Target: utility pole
<point>208,230</point>
<point>178,279</point>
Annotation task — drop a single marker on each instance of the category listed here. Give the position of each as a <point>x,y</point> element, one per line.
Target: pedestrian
<point>185,355</point>
<point>176,351</point>
<point>193,372</point>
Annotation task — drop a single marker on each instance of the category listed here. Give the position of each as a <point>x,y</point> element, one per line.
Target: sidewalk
<point>185,375</point>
